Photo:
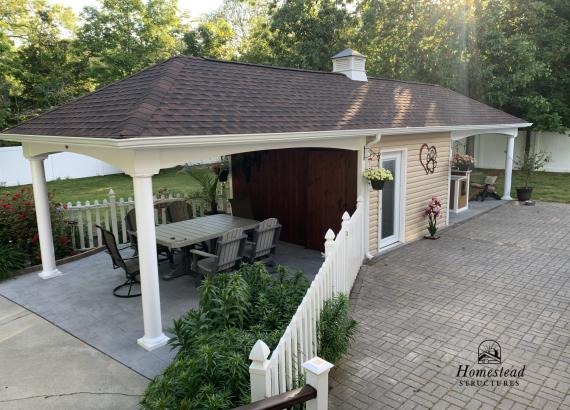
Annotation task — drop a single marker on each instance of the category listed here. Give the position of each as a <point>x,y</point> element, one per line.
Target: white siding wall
<point>490,149</point>
<point>15,169</point>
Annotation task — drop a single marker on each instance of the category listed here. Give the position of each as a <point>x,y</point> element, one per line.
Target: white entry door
<point>391,211</point>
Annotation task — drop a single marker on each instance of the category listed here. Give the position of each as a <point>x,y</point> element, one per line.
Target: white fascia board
<point>236,139</point>
<point>510,131</point>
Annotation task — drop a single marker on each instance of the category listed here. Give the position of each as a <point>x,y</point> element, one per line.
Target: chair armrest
<point>202,253</point>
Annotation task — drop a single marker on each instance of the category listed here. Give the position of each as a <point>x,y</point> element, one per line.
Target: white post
<point>318,377</point>
<point>113,207</point>
<point>329,242</point>
<point>146,236</point>
<point>509,168</point>
<point>259,374</point>
<point>345,279</point>
<point>43,218</point>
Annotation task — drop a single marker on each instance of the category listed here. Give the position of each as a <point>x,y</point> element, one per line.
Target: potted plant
<point>463,162</point>
<point>432,211</point>
<point>528,164</point>
<point>208,181</point>
<point>378,177</point>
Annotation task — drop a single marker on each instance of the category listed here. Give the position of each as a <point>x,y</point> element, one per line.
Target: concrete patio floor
<point>43,367</point>
<point>475,208</point>
<point>424,308</point>
<point>81,302</point>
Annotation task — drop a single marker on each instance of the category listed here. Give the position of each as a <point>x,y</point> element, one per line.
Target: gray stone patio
<point>424,308</point>
<point>475,208</point>
<point>81,302</point>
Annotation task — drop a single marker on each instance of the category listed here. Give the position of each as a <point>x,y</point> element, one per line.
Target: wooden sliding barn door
<point>306,189</point>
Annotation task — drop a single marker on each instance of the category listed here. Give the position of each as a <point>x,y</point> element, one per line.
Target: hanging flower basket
<point>377,185</point>
<point>377,177</point>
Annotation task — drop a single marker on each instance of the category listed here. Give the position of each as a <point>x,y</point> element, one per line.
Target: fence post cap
<point>329,236</point>
<point>111,192</point>
<point>317,366</point>
<point>259,352</point>
<point>345,216</point>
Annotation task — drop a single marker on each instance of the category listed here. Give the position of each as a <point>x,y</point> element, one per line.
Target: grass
<point>548,186</point>
<point>89,189</point>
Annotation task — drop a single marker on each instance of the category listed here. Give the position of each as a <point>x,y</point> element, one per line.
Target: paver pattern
<point>424,308</point>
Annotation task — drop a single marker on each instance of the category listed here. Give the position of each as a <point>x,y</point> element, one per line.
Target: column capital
<point>36,158</point>
<point>143,174</point>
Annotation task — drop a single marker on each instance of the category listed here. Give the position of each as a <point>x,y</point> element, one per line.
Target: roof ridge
<point>168,75</point>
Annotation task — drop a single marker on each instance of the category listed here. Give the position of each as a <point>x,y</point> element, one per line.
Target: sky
<point>194,7</point>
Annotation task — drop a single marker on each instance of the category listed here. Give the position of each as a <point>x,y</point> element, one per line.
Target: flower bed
<point>19,237</point>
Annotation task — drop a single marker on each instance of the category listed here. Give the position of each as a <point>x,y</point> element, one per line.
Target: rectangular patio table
<point>182,235</point>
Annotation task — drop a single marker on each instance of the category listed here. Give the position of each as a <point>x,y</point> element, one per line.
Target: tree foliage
<point>512,54</point>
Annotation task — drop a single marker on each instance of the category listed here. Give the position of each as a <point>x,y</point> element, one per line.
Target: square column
<point>43,218</point>
<point>509,168</point>
<point>148,262</point>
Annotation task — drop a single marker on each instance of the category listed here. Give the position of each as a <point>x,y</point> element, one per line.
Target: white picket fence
<point>343,257</point>
<point>110,213</point>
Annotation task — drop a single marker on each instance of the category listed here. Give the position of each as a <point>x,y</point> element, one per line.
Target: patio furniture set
<point>209,244</point>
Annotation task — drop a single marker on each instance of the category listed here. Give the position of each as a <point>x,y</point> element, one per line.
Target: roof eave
<point>228,139</point>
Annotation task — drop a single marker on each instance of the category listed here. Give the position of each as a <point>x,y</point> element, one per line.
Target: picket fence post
<point>345,228</point>
<point>318,377</point>
<point>113,206</point>
<point>259,372</point>
<point>329,242</point>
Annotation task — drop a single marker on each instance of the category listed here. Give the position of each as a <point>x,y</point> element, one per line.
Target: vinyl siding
<point>420,187</point>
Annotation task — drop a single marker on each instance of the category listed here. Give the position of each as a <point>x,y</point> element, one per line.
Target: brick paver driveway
<point>424,309</point>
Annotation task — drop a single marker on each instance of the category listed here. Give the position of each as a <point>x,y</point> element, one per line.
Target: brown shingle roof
<point>196,96</point>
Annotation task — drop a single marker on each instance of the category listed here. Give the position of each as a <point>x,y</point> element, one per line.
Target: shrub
<point>335,328</point>
<point>18,228</point>
<point>210,370</point>
<point>11,259</point>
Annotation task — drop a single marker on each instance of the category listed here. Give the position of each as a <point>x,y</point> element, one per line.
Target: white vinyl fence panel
<point>15,168</point>
<point>110,214</point>
<point>278,373</point>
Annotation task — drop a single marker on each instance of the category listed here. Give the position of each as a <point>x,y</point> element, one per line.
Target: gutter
<point>367,253</point>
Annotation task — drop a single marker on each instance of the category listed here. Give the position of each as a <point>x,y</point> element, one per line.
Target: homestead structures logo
<point>487,372</point>
<point>489,352</point>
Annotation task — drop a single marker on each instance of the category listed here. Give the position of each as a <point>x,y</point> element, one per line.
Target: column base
<point>507,198</point>
<point>48,274</point>
<point>152,343</point>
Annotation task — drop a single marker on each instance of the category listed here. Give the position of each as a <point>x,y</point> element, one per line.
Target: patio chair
<point>129,265</point>
<point>131,224</point>
<point>242,207</point>
<point>178,211</point>
<point>264,242</point>
<point>229,249</point>
<point>487,188</point>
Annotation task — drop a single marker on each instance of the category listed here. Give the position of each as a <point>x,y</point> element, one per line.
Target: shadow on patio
<point>82,303</point>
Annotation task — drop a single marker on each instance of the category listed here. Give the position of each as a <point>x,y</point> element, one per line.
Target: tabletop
<point>193,231</point>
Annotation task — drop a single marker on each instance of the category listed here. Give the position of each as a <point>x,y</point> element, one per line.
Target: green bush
<point>335,329</point>
<point>11,259</point>
<point>210,370</point>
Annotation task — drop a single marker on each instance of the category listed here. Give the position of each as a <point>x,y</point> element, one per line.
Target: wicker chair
<point>229,250</point>
<point>129,265</point>
<point>265,237</point>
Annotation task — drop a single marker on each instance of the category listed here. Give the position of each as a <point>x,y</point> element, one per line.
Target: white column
<point>148,262</point>
<point>509,167</point>
<point>259,374</point>
<point>43,218</point>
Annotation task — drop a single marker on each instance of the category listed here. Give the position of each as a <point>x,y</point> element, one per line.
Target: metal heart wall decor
<point>428,158</point>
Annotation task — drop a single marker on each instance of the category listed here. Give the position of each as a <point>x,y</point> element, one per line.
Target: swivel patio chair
<point>229,249</point>
<point>264,243</point>
<point>131,224</point>
<point>178,211</point>
<point>129,265</point>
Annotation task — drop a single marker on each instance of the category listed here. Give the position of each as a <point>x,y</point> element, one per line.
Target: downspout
<point>368,255</point>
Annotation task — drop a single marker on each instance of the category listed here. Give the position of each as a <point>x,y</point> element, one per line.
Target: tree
<point>121,37</point>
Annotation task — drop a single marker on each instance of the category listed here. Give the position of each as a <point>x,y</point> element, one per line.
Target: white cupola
<point>350,63</point>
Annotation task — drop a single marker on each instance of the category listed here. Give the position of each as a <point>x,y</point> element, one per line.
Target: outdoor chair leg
<point>129,282</point>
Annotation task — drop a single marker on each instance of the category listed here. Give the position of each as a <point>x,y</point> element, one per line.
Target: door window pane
<point>388,201</point>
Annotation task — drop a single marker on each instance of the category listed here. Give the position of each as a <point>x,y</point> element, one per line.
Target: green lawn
<point>548,186</point>
<point>89,189</point>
